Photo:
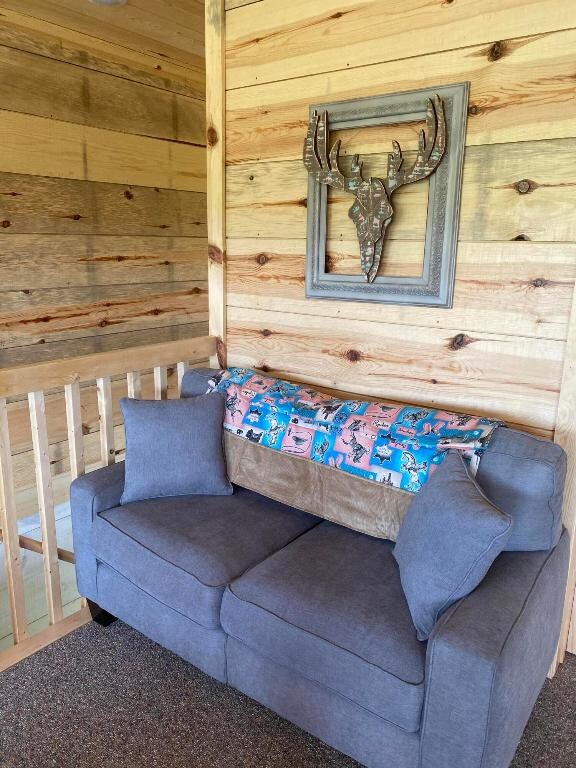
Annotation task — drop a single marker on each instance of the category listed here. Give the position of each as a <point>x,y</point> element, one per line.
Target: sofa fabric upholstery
<point>184,550</point>
<point>89,495</point>
<point>330,606</point>
<point>524,476</point>
<point>487,660</point>
<point>174,448</point>
<point>449,538</point>
<point>205,648</point>
<point>334,718</point>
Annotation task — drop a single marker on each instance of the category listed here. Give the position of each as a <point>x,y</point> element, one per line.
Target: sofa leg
<point>99,615</point>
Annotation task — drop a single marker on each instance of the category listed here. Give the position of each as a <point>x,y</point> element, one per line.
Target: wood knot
<point>337,15</point>
<point>539,282</point>
<point>76,217</point>
<point>497,51</point>
<point>521,237</point>
<point>265,368</point>
<point>433,381</point>
<point>158,67</point>
<point>6,223</point>
<point>195,290</point>
<point>262,259</point>
<point>128,195</point>
<point>459,341</point>
<point>266,332</point>
<point>212,136</point>
<point>524,186</point>
<point>102,323</point>
<point>353,355</point>
<point>215,254</point>
<point>474,109</point>
<point>251,177</point>
<point>303,202</point>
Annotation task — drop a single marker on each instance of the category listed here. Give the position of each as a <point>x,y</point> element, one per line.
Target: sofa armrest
<point>487,660</point>
<point>90,494</point>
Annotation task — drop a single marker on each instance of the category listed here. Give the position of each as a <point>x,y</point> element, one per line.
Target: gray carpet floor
<point>103,698</point>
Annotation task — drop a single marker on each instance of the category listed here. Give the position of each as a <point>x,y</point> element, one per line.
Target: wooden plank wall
<point>102,191</point>
<point>501,350</point>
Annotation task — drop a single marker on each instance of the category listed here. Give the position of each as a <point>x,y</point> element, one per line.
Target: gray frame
<point>435,286</point>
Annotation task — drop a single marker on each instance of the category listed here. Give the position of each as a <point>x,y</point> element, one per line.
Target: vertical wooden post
<point>134,384</point>
<point>46,505</point>
<point>565,435</point>
<point>75,435</point>
<point>160,382</point>
<point>9,526</point>
<point>215,174</point>
<point>104,390</point>
<point>181,369</point>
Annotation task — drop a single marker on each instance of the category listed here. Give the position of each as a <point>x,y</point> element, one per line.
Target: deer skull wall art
<point>372,209</point>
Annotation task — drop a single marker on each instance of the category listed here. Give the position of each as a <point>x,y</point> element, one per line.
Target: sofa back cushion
<point>521,474</point>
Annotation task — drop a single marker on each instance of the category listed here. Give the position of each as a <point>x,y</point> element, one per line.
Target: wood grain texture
<point>231,4</point>
<point>75,429</point>
<point>45,147</point>
<point>492,374</point>
<point>37,35</point>
<point>58,373</point>
<point>9,531</point>
<point>274,41</point>
<point>45,504</point>
<point>61,350</point>
<point>43,205</point>
<point>524,289</point>
<point>267,122</point>
<point>565,435</point>
<point>169,29</point>
<point>34,262</point>
<point>69,313</point>
<point>215,154</point>
<point>34,85</point>
<point>267,198</point>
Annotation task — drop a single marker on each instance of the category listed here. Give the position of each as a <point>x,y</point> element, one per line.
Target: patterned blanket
<point>397,445</point>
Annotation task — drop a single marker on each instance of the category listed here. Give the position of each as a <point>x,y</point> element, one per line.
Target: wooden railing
<point>34,381</point>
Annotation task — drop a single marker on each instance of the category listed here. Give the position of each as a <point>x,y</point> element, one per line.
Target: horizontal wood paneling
<point>67,313</point>
<point>44,147</point>
<point>267,122</point>
<point>489,374</point>
<point>519,288</point>
<point>35,85</point>
<point>102,179</point>
<point>36,204</point>
<point>25,32</point>
<point>59,261</point>
<point>268,199</point>
<point>272,41</point>
<point>171,30</point>
<point>88,345</point>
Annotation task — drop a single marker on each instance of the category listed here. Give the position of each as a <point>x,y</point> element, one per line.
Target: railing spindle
<point>9,525</point>
<point>46,505</point>
<point>181,369</point>
<point>104,390</point>
<point>134,384</point>
<point>75,436</point>
<point>160,382</point>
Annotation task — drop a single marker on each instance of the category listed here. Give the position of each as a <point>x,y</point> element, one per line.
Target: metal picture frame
<point>435,286</point>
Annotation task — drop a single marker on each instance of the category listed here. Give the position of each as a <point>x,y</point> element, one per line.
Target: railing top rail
<point>22,379</point>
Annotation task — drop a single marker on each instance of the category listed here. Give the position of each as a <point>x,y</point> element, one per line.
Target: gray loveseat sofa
<point>309,617</point>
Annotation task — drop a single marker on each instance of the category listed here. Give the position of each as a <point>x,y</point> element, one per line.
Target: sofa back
<point>521,474</point>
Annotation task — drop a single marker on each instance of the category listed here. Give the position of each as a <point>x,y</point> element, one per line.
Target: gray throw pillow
<point>174,448</point>
<point>450,536</point>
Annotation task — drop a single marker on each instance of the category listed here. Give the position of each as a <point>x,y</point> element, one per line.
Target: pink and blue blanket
<point>397,445</point>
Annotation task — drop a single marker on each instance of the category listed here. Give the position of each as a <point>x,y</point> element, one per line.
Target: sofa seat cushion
<point>330,606</point>
<point>184,550</point>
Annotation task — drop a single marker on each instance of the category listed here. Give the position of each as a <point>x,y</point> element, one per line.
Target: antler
<point>322,165</point>
<point>430,150</point>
